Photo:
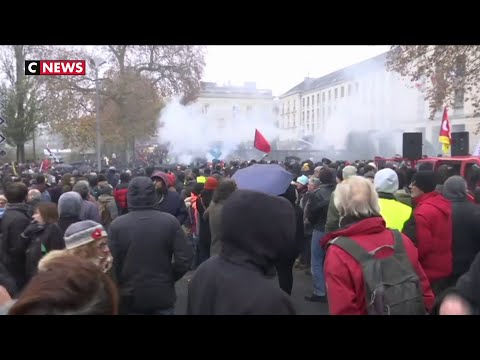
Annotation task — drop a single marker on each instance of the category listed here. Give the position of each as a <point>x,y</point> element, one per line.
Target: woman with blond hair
<point>362,230</point>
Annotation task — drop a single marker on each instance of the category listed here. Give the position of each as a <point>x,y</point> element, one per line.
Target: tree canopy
<point>447,74</point>
<point>134,82</point>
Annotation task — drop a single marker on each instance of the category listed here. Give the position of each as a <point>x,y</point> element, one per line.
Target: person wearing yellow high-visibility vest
<point>393,211</point>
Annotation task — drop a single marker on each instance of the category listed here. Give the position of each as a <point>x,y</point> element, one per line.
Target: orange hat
<point>171,179</point>
<point>211,183</point>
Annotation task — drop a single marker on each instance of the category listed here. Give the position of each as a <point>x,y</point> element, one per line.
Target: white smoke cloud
<point>384,107</point>
<point>192,134</point>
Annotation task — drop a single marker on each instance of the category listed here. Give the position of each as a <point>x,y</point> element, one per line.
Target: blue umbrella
<point>267,178</point>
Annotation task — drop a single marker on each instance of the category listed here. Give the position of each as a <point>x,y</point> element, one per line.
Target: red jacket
<point>344,275</point>
<point>120,194</point>
<point>433,219</point>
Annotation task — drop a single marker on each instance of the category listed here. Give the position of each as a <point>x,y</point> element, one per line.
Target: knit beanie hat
<point>69,204</point>
<point>386,181</point>
<point>425,181</point>
<point>211,183</point>
<point>82,233</point>
<point>302,180</point>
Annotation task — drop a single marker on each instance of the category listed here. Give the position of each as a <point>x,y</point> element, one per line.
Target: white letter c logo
<point>30,67</point>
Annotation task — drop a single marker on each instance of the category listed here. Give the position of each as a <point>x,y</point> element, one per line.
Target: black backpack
<point>391,284</point>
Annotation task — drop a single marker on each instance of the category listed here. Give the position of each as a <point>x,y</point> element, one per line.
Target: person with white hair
<point>333,218</point>
<point>363,229</point>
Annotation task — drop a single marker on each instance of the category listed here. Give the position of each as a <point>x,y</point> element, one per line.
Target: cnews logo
<point>55,67</point>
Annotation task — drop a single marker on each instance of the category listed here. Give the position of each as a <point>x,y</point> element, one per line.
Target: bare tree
<point>25,106</point>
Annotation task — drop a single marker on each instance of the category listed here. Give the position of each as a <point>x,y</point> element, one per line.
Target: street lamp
<point>97,62</point>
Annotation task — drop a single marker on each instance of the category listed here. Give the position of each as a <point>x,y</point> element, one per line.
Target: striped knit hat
<point>83,232</point>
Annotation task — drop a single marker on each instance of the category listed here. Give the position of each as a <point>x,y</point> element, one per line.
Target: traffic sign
<point>2,138</point>
<point>3,153</point>
<point>2,121</point>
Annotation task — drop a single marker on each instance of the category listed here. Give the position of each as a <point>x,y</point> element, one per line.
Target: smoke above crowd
<point>367,120</point>
<point>191,133</point>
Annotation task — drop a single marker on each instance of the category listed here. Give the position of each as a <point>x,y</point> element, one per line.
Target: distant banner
<point>49,152</point>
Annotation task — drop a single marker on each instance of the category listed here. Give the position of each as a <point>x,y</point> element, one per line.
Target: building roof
<point>249,88</point>
<point>310,84</point>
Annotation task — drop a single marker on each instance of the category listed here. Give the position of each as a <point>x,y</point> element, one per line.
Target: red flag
<point>261,143</point>
<point>445,137</point>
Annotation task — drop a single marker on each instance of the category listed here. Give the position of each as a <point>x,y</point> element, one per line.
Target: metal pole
<point>97,106</point>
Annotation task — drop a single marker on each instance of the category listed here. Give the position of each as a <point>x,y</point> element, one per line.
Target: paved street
<point>302,285</point>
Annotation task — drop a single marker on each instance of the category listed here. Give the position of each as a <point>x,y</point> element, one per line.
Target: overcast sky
<point>280,68</point>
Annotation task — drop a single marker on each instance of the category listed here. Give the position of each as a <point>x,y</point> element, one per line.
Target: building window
<point>329,112</point>
<point>323,112</point>
<point>356,86</point>
<point>308,116</point>
<point>303,102</point>
<point>342,92</point>
<point>294,124</point>
<point>313,115</point>
<point>303,117</point>
<point>313,99</point>
<point>294,104</point>
<point>336,93</point>
<point>221,123</point>
<point>459,99</point>
<point>308,101</point>
<point>323,97</point>
<point>313,127</point>
<point>283,108</point>
<point>329,95</point>
<point>249,108</point>
<point>318,98</point>
<point>349,89</point>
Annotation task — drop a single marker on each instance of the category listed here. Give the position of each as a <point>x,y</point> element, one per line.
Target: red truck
<point>466,166</point>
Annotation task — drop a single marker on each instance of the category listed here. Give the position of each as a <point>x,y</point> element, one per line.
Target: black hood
<point>257,228</point>
<point>141,193</point>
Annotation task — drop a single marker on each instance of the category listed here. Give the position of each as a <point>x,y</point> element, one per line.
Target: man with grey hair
<point>33,199</point>
<point>332,216</point>
<point>89,210</point>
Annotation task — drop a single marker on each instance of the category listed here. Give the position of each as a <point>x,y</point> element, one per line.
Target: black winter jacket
<point>143,244</point>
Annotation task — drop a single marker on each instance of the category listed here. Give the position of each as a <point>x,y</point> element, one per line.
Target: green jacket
<point>333,217</point>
